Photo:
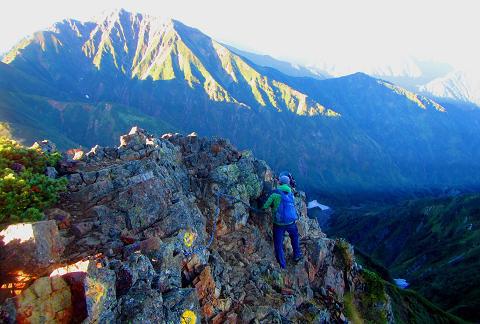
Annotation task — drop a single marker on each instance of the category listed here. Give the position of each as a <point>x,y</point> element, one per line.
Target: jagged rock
<point>96,153</point>
<point>137,301</point>
<point>89,177</point>
<point>169,268</point>
<point>136,139</point>
<point>140,268</point>
<point>158,242</point>
<point>148,246</point>
<point>78,155</point>
<point>45,146</point>
<point>80,229</point>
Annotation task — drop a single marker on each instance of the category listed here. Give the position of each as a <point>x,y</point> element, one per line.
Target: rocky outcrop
<point>152,234</point>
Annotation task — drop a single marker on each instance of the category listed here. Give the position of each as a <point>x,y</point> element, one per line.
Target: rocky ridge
<point>129,242</point>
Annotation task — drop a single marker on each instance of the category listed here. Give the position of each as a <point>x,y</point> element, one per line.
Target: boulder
<point>28,251</point>
<point>93,291</point>
<point>47,300</point>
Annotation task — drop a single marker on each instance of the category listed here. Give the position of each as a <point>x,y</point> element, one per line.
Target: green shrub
<point>343,249</point>
<point>25,191</point>
<point>374,298</point>
<point>375,286</point>
<point>351,309</point>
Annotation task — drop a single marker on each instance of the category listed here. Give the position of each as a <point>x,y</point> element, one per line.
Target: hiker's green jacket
<point>275,199</point>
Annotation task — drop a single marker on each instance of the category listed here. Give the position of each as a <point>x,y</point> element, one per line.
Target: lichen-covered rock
<point>47,300</point>
<point>206,292</point>
<point>181,303</point>
<point>141,305</point>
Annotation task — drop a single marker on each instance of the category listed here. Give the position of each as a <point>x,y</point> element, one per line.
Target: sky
<point>355,33</point>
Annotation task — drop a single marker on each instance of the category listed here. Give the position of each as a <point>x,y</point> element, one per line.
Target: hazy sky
<point>359,33</point>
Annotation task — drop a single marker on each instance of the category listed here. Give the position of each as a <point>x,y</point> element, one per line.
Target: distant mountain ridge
<point>83,83</point>
<point>282,66</point>
<point>433,79</point>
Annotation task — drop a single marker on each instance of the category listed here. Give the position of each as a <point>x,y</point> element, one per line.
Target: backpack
<point>286,212</point>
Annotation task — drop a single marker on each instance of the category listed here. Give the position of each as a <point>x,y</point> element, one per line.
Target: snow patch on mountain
<point>458,85</point>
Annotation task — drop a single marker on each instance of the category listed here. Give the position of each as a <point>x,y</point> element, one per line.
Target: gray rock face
<point>51,172</point>
<point>145,213</point>
<point>45,146</point>
<point>29,250</point>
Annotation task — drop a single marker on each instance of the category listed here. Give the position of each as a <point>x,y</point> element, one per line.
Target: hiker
<point>284,219</point>
<point>292,180</point>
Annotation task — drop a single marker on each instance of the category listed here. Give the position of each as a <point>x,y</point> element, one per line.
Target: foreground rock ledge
<point>121,256</point>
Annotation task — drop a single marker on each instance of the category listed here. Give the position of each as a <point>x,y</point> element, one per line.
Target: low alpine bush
<point>25,190</point>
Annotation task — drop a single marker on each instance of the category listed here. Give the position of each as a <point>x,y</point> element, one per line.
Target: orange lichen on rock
<point>205,286</point>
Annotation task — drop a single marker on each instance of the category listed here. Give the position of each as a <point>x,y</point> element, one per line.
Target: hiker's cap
<point>284,180</point>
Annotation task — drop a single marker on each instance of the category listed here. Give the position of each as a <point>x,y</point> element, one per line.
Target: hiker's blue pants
<point>278,234</point>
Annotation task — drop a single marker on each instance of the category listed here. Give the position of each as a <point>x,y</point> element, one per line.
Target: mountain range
<point>83,83</point>
<point>437,80</point>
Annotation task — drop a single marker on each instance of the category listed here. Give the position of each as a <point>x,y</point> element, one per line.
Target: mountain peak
<point>144,47</point>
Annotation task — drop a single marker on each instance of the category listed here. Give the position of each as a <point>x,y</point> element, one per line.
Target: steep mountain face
<point>87,82</point>
<point>429,242</point>
<point>135,47</point>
